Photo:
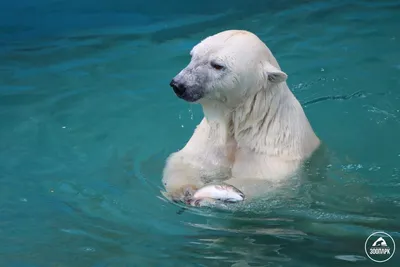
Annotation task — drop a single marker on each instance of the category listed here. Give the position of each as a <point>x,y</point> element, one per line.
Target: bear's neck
<point>272,122</point>
<point>219,119</point>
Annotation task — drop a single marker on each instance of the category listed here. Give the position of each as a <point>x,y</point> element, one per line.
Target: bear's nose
<point>179,88</point>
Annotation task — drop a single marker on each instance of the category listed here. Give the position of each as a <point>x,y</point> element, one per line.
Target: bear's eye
<point>216,66</point>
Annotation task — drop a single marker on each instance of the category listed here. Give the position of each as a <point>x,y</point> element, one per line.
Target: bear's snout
<point>186,91</point>
<point>178,88</point>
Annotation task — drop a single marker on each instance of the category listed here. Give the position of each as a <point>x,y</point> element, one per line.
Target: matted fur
<point>254,129</point>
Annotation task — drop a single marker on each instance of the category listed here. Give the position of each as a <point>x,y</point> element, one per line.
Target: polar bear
<point>254,130</point>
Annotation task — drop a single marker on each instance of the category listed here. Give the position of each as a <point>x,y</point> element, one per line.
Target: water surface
<point>88,119</point>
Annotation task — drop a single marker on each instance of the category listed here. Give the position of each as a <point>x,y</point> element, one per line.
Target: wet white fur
<point>254,130</point>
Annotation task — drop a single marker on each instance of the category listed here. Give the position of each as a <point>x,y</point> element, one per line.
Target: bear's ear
<point>274,75</point>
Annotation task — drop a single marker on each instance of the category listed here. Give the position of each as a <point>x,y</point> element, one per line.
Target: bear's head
<point>227,67</point>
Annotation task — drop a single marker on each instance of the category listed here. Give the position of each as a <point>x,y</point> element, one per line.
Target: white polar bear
<point>254,129</point>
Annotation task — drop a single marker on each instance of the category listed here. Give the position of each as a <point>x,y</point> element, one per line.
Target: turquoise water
<point>87,120</point>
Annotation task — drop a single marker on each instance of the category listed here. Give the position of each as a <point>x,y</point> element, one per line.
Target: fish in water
<point>213,193</point>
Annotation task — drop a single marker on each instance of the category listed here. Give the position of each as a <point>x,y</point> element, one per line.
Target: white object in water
<point>216,192</point>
